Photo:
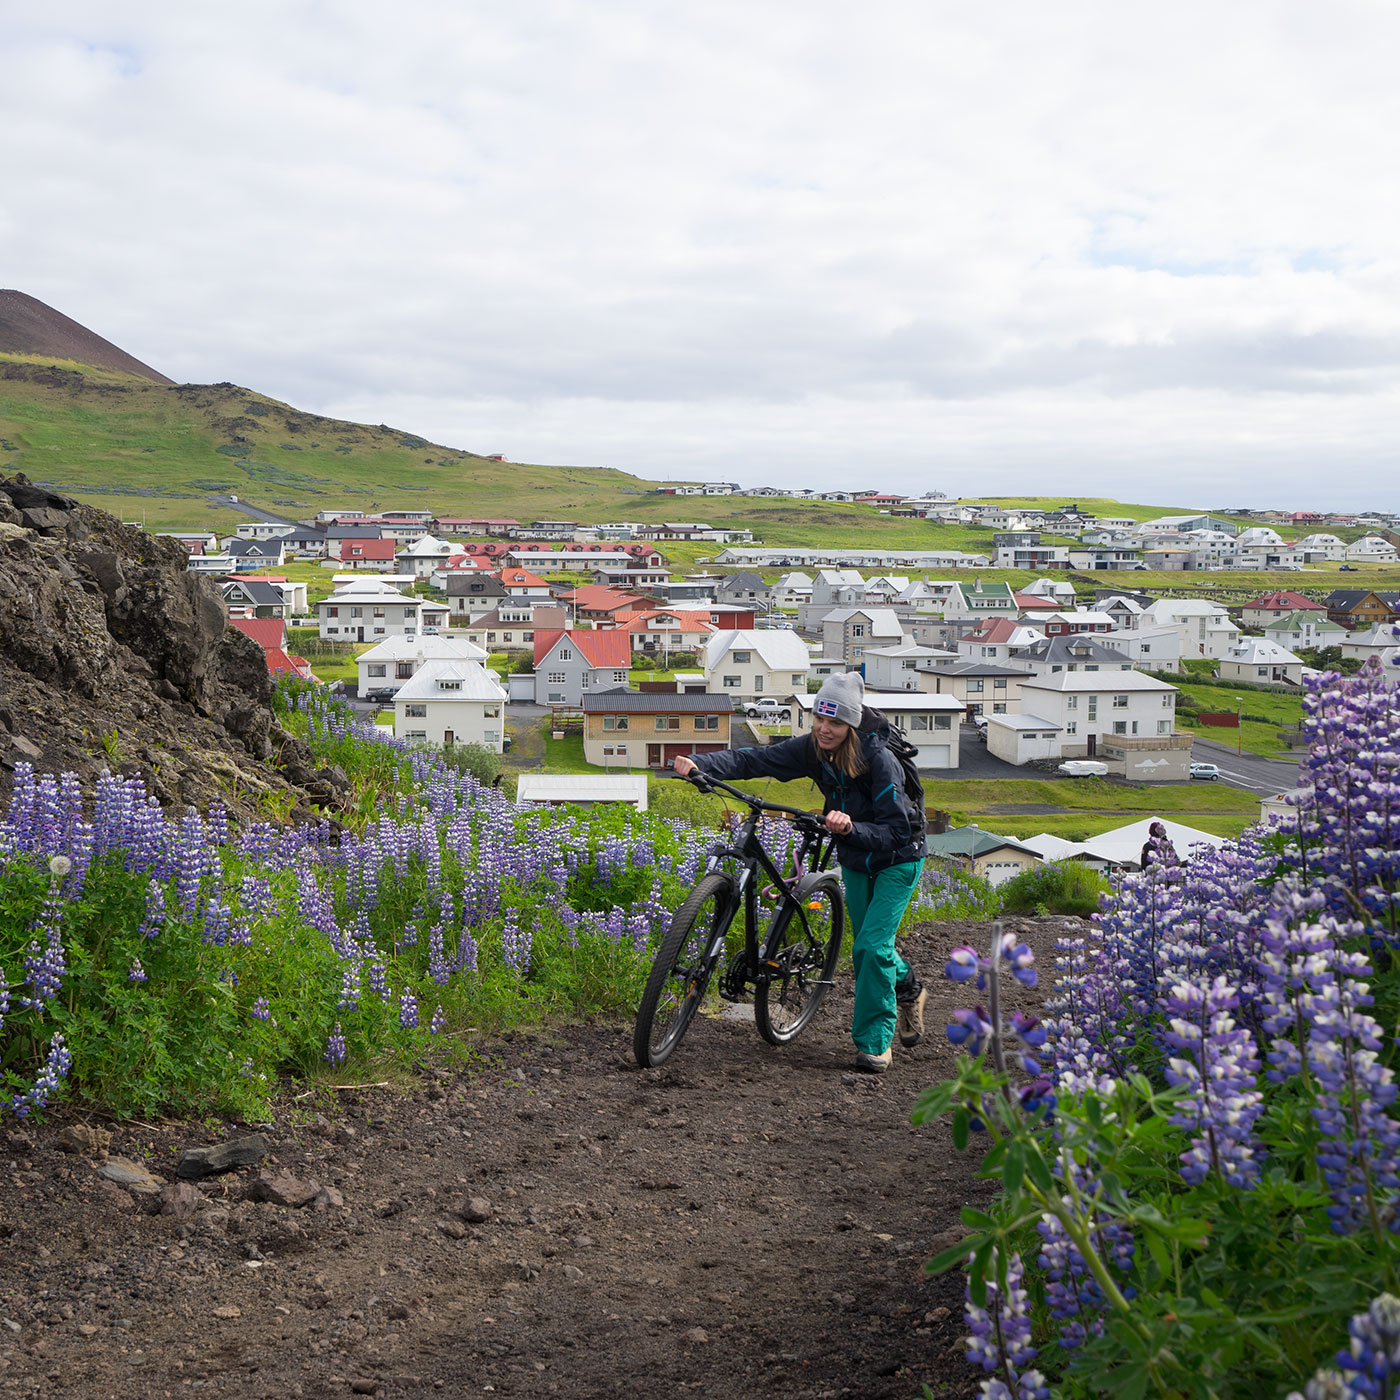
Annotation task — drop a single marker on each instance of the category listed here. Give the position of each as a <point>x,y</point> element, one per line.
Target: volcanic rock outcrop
<point>113,656</point>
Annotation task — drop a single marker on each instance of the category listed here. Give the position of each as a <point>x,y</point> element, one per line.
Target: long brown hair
<point>848,757</point>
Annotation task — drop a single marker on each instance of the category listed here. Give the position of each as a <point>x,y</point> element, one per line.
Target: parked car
<point>1084,768</point>
<point>1208,771</point>
<point>766,709</point>
<point>1350,569</point>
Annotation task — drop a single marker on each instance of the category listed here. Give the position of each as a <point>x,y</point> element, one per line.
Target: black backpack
<point>872,719</point>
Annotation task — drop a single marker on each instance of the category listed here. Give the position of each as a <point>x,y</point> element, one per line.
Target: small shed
<point>1022,738</point>
<point>559,789</point>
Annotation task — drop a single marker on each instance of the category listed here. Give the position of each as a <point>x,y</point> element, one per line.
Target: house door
<point>1093,745</point>
<point>654,756</point>
<point>447,737</point>
<point>360,634</point>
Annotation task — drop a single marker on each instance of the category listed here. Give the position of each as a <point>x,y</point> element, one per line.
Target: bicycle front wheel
<point>799,961</point>
<point>681,971</point>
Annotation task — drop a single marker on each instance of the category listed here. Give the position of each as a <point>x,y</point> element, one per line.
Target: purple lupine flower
<point>136,973</point>
<point>154,921</point>
<point>56,1066</point>
<point>1218,1062</point>
<point>439,1022</point>
<point>999,1334</point>
<point>335,1047</point>
<point>408,1010</point>
<point>963,964</point>
<point>261,1010</point>
<point>1369,1369</point>
<point>969,1029</point>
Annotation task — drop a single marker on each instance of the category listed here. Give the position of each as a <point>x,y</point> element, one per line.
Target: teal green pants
<point>875,905</point>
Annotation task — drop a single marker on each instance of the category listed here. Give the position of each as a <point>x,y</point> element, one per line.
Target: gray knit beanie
<point>841,698</point>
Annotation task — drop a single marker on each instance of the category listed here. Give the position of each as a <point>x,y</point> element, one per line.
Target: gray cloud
<point>1029,247</point>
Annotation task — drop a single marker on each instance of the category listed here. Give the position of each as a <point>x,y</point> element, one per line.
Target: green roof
<point>1297,621</point>
<point>971,841</point>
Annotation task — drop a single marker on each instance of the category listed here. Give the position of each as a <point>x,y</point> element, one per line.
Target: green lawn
<point>1257,736</point>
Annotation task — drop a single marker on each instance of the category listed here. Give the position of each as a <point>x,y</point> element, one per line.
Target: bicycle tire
<point>792,993</point>
<point>666,1010</point>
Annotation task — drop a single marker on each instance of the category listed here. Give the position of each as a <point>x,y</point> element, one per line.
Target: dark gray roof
<point>254,549</point>
<point>657,702</point>
<point>976,668</point>
<point>1074,650</point>
<point>354,532</point>
<point>259,593</point>
<point>314,534</point>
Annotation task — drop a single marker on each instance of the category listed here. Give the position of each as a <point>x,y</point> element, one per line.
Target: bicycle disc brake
<point>734,982</point>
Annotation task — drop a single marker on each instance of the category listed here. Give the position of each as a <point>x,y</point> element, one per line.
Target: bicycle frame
<point>813,854</point>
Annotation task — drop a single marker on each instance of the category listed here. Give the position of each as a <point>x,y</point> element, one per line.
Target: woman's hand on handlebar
<point>683,766</point>
<point>838,823</point>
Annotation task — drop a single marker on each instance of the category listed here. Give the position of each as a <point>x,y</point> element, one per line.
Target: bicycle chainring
<point>734,982</point>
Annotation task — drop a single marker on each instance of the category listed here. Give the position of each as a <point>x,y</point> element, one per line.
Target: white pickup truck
<point>1083,768</point>
<point>766,709</point>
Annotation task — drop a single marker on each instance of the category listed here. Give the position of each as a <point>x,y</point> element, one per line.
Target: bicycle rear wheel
<point>681,971</point>
<point>799,960</point>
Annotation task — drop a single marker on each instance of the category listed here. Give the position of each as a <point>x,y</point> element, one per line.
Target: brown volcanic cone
<point>28,327</point>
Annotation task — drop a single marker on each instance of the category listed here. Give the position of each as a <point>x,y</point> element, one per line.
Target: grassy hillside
<point>162,455</point>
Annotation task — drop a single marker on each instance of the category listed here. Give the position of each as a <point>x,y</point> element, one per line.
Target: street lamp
<point>1239,725</point>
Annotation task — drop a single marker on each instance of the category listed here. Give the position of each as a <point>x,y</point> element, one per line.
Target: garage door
<point>998,872</point>
<point>933,756</point>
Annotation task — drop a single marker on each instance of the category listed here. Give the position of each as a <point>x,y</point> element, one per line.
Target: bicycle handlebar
<point>708,784</point>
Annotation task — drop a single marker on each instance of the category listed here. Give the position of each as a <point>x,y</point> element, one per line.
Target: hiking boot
<point>874,1064</point>
<point>911,1019</point>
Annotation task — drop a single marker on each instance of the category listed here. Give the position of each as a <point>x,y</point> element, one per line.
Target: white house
<point>930,722</point>
<point>748,664</point>
<point>1379,640</point>
<point>1148,648</point>
<point>1093,707</point>
<point>1262,661</point>
<point>451,702</point>
<point>366,611</point>
<point>425,557</point>
<point>1205,627</point>
<point>792,589</point>
<point>1371,549</point>
<point>897,668</point>
<point>396,660</point>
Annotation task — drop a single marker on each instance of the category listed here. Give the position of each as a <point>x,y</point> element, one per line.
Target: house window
<point>918,722</point>
<point>742,658</point>
<point>527,636</point>
<point>999,708</point>
<point>376,669</point>
<point>556,697</point>
<point>403,670</point>
<point>732,682</point>
<point>357,612</point>
<point>1072,727</point>
<point>614,750</point>
<point>1263,670</point>
<point>332,612</point>
<point>491,712</point>
<point>797,678</point>
<point>942,721</point>
<point>1145,648</point>
<point>1167,699</point>
<point>379,631</point>
<point>1133,728</point>
<point>330,631</point>
<point>1164,726</point>
<point>1120,702</point>
<point>556,678</point>
<point>998,685</point>
<point>419,735</point>
<point>974,687</point>
<point>707,721</point>
<point>379,612</point>
<point>668,721</point>
<point>1120,726</point>
<point>490,636</point>
<point>857,629</point>
<point>415,711</point>
<point>614,721</point>
<point>449,685</point>
<point>587,676</point>
<point>565,654</point>
<point>507,637</point>
<point>620,677</point>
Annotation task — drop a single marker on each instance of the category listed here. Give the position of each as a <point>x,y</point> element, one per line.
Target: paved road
<point>256,512</point>
<point>1265,776</point>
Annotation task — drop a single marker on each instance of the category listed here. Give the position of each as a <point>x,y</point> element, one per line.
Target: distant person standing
<point>1157,850</point>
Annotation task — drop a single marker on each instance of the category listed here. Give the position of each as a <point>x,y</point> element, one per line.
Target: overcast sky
<point>1144,251</point>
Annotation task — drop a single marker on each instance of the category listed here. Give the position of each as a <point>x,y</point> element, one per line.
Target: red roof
<point>1285,598</point>
<point>270,633</point>
<point>993,630</point>
<point>685,621</point>
<point>368,549</point>
<point>521,578</point>
<point>1025,601</point>
<point>602,597</point>
<point>610,647</point>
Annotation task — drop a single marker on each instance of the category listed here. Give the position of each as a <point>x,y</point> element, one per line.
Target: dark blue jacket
<point>886,828</point>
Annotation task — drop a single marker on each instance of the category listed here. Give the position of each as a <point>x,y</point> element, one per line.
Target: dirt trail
<point>745,1222</point>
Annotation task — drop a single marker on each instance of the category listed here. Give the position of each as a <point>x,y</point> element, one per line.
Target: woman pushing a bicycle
<point>879,843</point>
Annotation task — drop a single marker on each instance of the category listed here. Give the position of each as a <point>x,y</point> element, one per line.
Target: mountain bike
<point>789,969</point>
